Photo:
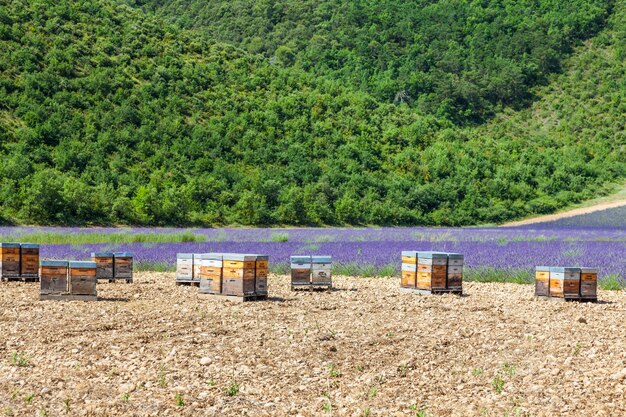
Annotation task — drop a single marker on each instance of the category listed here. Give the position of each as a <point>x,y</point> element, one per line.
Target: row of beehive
<point>68,277</point>
<point>224,273</point>
<point>19,260</point>
<point>311,270</point>
<point>566,282</point>
<point>432,270</point>
<point>113,265</point>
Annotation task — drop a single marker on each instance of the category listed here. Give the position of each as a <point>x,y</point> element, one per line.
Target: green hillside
<point>454,58</point>
<point>113,114</point>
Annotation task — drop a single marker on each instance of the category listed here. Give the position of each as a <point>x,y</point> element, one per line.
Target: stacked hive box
<point>238,274</point>
<point>197,265</point>
<point>82,278</point>
<point>432,271</point>
<point>455,271</point>
<point>211,266</point>
<point>588,282</point>
<point>9,260</point>
<point>260,274</point>
<point>569,283</point>
<point>321,271</point>
<point>184,267</point>
<point>104,264</point>
<point>53,276</point>
<point>123,266</point>
<point>29,260</point>
<point>409,269</point>
<point>300,271</point>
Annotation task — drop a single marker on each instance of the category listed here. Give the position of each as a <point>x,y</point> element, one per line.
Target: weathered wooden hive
<point>564,282</point>
<point>542,281</point>
<point>455,271</point>
<point>431,270</point>
<point>29,260</point>
<point>211,265</point>
<point>300,270</point>
<point>104,264</point>
<point>123,266</point>
<point>260,275</point>
<point>588,282</point>
<point>53,277</point>
<point>184,267</point>
<point>9,260</point>
<point>321,270</point>
<point>409,269</point>
<point>82,278</point>
<point>238,274</point>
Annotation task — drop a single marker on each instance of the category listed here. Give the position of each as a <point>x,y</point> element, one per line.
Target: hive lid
<point>433,255</point>
<point>53,262</point>
<point>543,268</point>
<point>586,270</point>
<point>123,254</point>
<point>101,254</point>
<point>564,269</point>
<point>409,253</point>
<point>9,245</point>
<point>212,256</point>
<point>300,259</point>
<point>184,256</point>
<point>239,257</point>
<point>82,264</point>
<point>321,259</point>
<point>454,255</point>
<point>262,257</point>
<point>30,245</point>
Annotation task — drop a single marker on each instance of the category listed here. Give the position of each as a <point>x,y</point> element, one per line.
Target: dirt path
<point>154,349</point>
<point>569,213</point>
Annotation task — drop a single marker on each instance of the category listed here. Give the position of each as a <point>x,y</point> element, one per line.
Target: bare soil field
<point>154,349</point>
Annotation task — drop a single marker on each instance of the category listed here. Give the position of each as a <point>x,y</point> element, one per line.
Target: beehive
<point>9,260</point>
<point>300,270</point>
<point>260,276</point>
<point>123,265</point>
<point>197,264</point>
<point>409,269</point>
<point>454,271</point>
<point>53,277</point>
<point>184,267</point>
<point>211,273</point>
<point>588,282</point>
<point>82,278</point>
<point>564,282</point>
<point>29,260</point>
<point>542,281</point>
<point>238,274</point>
<point>431,270</point>
<point>321,270</point>
<point>104,264</point>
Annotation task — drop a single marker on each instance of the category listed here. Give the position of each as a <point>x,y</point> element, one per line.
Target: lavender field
<point>491,254</point>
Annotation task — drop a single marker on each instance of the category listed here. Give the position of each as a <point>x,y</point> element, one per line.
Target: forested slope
<point>111,115</point>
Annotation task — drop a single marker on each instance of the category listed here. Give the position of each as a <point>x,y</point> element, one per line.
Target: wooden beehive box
<point>300,270</point>
<point>432,270</point>
<point>455,271</point>
<point>564,282</point>
<point>197,264</point>
<point>409,269</point>
<point>211,273</point>
<point>104,264</point>
<point>542,281</point>
<point>29,260</point>
<point>123,266</point>
<point>82,278</point>
<point>321,270</point>
<point>184,267</point>
<point>260,276</point>
<point>238,274</point>
<point>53,277</point>
<point>9,260</point>
<point>588,282</point>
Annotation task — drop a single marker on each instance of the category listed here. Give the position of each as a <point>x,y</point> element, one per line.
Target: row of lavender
<point>578,241</point>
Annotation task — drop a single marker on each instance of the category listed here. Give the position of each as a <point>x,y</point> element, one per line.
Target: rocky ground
<point>152,348</point>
